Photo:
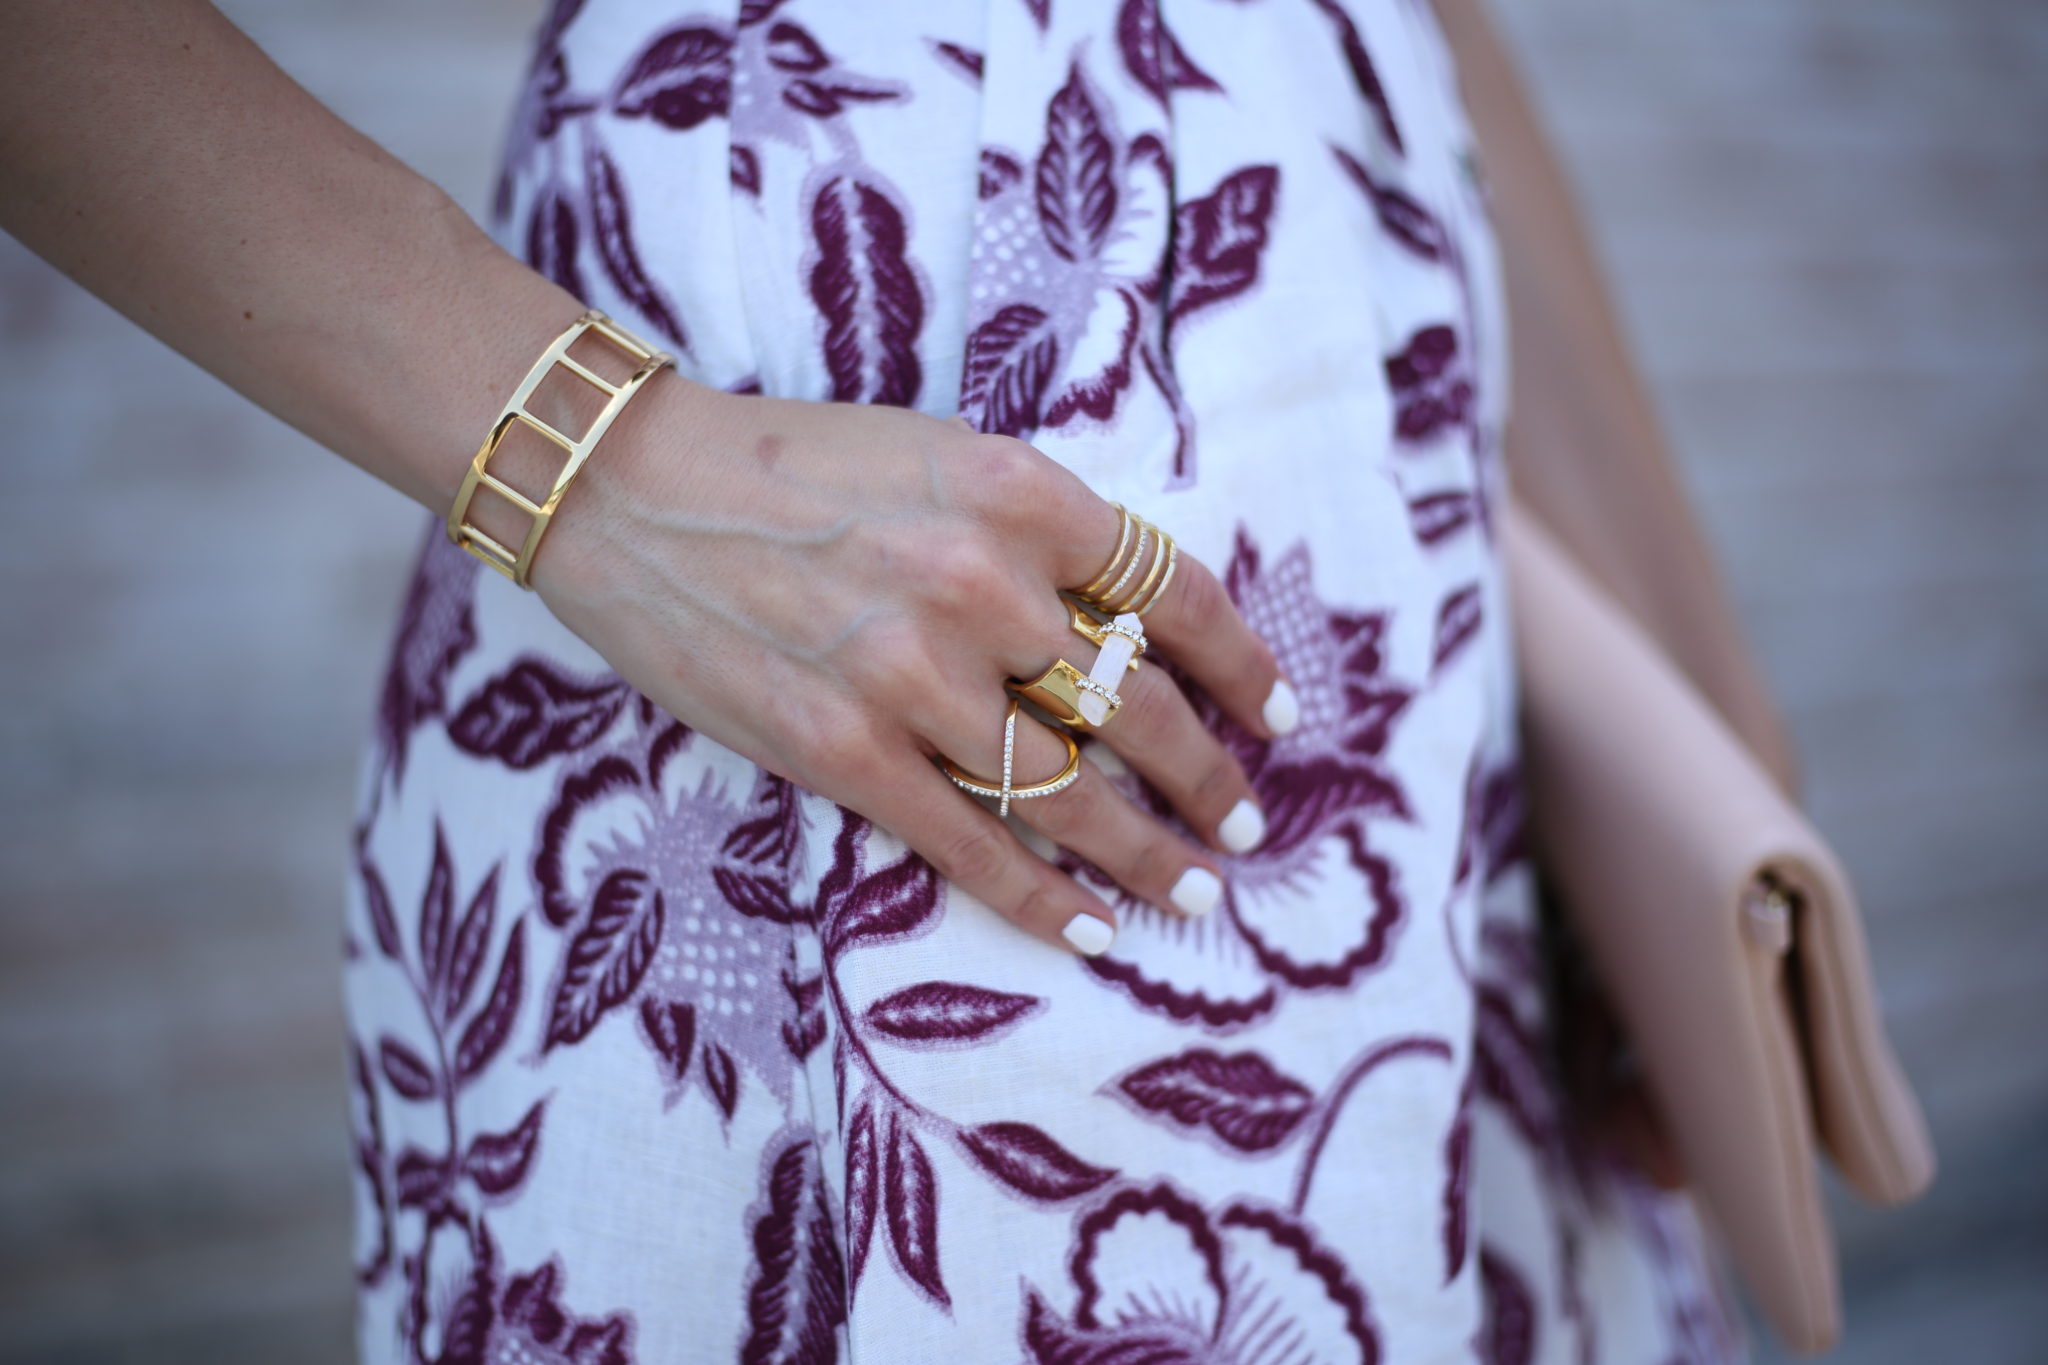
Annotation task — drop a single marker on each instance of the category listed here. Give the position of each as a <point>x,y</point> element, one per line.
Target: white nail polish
<point>1243,828</point>
<point>1089,933</point>
<point>1283,709</point>
<point>1197,892</point>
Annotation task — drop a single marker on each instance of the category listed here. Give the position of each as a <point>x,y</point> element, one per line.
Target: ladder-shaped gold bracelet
<point>517,565</point>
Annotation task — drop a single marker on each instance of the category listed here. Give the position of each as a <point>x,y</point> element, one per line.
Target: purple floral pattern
<point>655,1056</point>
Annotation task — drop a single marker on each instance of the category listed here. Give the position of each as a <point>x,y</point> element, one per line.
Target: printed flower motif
<point>1322,787</point>
<point>462,1308</point>
<point>1160,1280</point>
<point>669,891</point>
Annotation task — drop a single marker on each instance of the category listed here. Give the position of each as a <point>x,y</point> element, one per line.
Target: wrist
<point>659,440</point>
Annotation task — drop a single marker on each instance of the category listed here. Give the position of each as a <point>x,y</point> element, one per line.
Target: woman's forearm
<point>1588,451</point>
<point>153,153</point>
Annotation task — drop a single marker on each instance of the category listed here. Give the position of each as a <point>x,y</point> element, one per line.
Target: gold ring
<point>1097,632</point>
<point>1123,537</point>
<point>1058,692</point>
<point>1006,793</point>
<point>1112,590</point>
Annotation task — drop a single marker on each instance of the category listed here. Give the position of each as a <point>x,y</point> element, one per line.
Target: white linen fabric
<point>658,1058</point>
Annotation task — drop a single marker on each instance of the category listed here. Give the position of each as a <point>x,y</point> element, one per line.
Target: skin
<point>835,591</point>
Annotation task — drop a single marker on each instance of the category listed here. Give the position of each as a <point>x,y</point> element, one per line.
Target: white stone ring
<point>1086,701</point>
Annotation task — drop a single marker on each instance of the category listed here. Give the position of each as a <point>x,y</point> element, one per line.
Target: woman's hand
<point>839,591</point>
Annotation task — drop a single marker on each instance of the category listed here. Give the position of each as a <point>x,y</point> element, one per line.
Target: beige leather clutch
<point>1722,930</point>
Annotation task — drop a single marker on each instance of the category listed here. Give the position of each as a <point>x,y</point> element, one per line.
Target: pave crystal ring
<point>1006,793</point>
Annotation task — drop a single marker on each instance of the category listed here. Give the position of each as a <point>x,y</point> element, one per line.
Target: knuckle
<point>1157,864</point>
<point>842,744</point>
<point>973,855</point>
<point>889,654</point>
<point>1036,907</point>
<point>1081,806</point>
<point>1147,708</point>
<point>1203,605</point>
<point>961,570</point>
<point>1014,482</point>
<point>1218,782</point>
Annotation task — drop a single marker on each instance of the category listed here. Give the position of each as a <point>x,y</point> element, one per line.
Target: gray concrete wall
<point>1824,222</point>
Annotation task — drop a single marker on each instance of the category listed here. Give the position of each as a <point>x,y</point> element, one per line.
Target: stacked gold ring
<point>1113,591</point>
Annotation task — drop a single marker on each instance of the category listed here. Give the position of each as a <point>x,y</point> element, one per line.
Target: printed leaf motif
<point>1028,1161</point>
<point>613,225</point>
<point>1076,187</point>
<point>466,954</point>
<point>798,1294</point>
<point>1457,1196</point>
<point>422,1179</point>
<point>966,60</point>
<point>1301,798</point>
<point>911,1201</point>
<point>753,871</point>
<point>937,1011</point>
<point>1240,1097</point>
<point>864,287</point>
<point>1220,238</point>
<point>610,773</point>
<point>551,240</point>
<point>1152,56</point>
<point>807,1029</point>
<point>1010,360</point>
<point>493,1023</point>
<point>1041,12</point>
<point>823,99</point>
<point>863,1194</point>
<point>792,48</point>
<point>530,714</point>
<point>683,78</point>
<point>497,1162</point>
<point>1457,621</point>
<point>1507,1332</point>
<point>999,171</point>
<point>1363,74</point>
<point>608,955</point>
<point>408,1073</point>
<point>1406,221</point>
<point>1430,393</point>
<point>1435,516</point>
<point>745,167</point>
<point>723,1078</point>
<point>884,904</point>
<point>672,1028</point>
<point>437,908</point>
<point>377,901</point>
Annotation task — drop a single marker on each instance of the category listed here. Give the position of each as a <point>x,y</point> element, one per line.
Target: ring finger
<point>1091,818</point>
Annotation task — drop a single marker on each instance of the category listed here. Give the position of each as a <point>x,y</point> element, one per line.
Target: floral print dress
<point>657,1058</point>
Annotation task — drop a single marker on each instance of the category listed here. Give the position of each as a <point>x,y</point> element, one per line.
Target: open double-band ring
<point>1006,792</point>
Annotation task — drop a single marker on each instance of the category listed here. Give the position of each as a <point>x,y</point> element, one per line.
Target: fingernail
<point>1283,709</point>
<point>1089,934</point>
<point>1197,891</point>
<point>1242,829</point>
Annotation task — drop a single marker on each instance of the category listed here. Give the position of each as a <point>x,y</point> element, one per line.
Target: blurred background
<point>1823,222</point>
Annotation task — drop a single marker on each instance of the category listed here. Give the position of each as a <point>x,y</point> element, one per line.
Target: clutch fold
<point>1723,931</point>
